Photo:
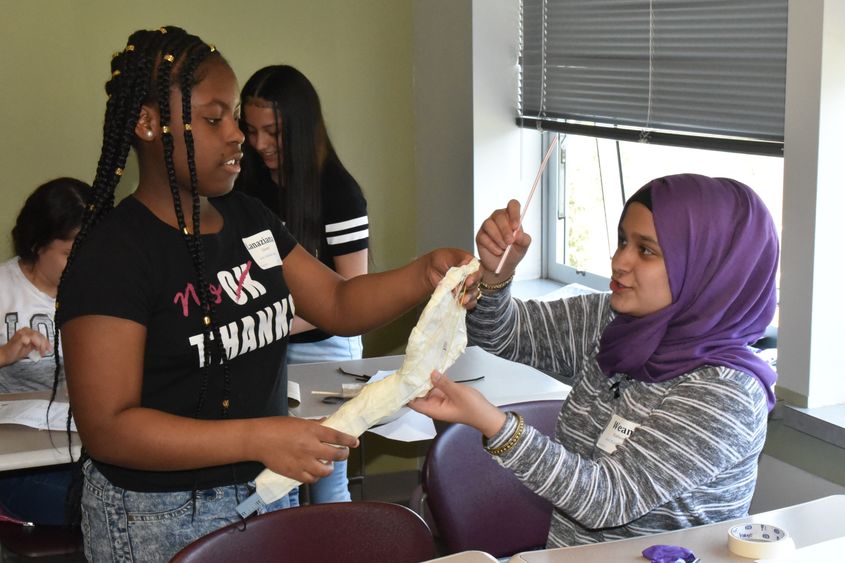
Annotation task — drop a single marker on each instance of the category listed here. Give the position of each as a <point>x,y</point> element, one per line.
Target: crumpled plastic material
<point>438,339</point>
<point>669,554</point>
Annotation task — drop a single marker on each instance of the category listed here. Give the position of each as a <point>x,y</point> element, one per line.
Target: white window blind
<point>685,72</point>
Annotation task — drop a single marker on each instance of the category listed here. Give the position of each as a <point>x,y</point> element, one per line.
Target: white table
<point>22,447</point>
<point>809,524</point>
<point>504,382</point>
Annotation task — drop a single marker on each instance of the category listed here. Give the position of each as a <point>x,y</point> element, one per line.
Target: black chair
<point>475,503</point>
<point>351,532</point>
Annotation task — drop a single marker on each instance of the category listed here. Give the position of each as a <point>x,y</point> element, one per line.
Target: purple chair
<point>475,503</point>
<point>352,532</point>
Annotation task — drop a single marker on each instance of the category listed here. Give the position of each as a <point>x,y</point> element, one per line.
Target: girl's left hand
<point>454,402</point>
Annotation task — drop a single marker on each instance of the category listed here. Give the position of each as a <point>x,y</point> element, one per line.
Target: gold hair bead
<point>165,130</point>
<point>225,403</point>
<point>57,305</point>
<point>186,233</point>
<point>115,54</point>
<point>130,48</point>
<point>206,320</point>
<point>212,48</point>
<point>115,73</point>
<point>91,207</point>
<point>162,30</point>
<point>187,127</point>
<point>118,171</point>
<point>169,58</point>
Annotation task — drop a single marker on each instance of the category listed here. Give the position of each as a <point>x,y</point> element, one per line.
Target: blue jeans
<point>121,525</point>
<point>335,487</point>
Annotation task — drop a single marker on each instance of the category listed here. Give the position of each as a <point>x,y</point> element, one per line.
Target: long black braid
<point>144,69</point>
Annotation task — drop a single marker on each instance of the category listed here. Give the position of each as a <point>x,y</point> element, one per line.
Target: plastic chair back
<point>351,532</point>
<point>475,503</point>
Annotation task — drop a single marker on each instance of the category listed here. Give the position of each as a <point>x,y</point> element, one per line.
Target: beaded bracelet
<point>513,440</point>
<point>495,286</point>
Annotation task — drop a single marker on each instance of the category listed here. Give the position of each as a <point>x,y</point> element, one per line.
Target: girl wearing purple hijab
<point>667,413</point>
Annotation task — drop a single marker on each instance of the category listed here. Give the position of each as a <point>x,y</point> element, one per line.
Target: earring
<point>149,134</point>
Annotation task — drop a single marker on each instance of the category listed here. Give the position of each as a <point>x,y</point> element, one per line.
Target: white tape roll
<point>759,541</point>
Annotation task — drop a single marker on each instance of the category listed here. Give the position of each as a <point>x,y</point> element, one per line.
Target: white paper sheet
<point>33,413</point>
<point>408,426</point>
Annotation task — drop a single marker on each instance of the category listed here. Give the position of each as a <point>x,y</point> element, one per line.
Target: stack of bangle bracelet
<point>512,441</point>
<point>487,287</point>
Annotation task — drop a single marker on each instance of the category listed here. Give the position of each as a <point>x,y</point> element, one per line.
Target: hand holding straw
<point>552,145</point>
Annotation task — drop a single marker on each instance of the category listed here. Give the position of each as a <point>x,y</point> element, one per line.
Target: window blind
<point>708,73</point>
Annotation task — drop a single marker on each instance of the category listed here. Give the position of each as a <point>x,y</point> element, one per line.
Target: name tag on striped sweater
<point>615,433</point>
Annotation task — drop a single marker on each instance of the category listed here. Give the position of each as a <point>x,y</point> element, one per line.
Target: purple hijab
<point>721,253</point>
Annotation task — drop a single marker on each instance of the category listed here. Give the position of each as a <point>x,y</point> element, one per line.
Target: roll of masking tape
<point>759,541</point>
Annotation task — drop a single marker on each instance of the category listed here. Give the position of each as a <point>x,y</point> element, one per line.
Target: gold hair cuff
<point>187,127</point>
<point>165,130</point>
<point>169,58</point>
<point>186,233</point>
<point>130,48</point>
<point>206,320</point>
<point>118,171</point>
<point>212,48</point>
<point>225,403</point>
<point>162,30</point>
<point>495,286</point>
<point>91,207</point>
<point>513,440</point>
<point>115,73</point>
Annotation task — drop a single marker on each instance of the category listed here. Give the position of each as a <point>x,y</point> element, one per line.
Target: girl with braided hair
<point>175,311</point>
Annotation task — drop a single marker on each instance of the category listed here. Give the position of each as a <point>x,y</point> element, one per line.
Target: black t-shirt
<point>345,221</point>
<point>134,266</point>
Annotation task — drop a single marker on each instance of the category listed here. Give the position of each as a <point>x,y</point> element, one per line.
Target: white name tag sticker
<point>615,433</point>
<point>262,247</point>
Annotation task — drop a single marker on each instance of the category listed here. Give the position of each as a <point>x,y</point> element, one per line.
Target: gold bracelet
<point>495,286</point>
<point>512,441</point>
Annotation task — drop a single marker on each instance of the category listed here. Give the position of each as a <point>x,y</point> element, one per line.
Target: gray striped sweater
<point>689,446</point>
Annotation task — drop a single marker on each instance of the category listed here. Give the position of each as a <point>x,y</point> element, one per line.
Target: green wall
<point>54,58</point>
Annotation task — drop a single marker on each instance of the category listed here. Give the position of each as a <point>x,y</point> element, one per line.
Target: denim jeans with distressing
<point>128,526</point>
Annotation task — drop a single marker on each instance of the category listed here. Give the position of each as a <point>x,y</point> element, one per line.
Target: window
<point>593,177</point>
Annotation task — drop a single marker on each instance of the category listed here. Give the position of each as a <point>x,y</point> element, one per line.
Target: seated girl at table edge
<point>667,414</point>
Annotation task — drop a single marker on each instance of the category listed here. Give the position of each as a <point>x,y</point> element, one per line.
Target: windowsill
<point>810,439</point>
<point>824,423</point>
<point>533,289</point>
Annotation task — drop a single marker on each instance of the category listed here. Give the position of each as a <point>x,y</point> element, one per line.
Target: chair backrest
<point>476,503</point>
<point>351,532</point>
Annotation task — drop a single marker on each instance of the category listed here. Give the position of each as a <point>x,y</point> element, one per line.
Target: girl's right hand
<point>21,344</point>
<point>454,402</point>
<point>299,448</point>
<point>498,231</point>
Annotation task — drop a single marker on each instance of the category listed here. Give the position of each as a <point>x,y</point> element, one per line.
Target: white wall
<point>809,339</point>
<point>471,156</point>
<point>780,484</point>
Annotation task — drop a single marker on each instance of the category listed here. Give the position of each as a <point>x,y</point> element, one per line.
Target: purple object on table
<point>669,554</point>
